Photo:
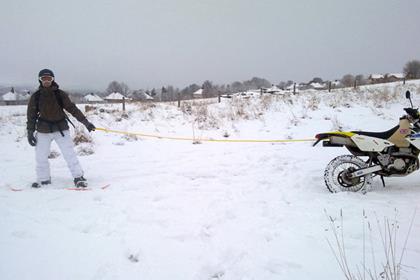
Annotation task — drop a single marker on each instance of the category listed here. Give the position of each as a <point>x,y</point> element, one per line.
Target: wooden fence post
<point>219,97</point>
<point>123,104</point>
<point>329,86</point>
<point>179,99</point>
<point>294,88</point>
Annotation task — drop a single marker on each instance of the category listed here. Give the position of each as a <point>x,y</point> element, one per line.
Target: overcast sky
<point>146,44</point>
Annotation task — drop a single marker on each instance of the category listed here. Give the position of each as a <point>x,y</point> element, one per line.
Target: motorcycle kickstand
<point>383,181</point>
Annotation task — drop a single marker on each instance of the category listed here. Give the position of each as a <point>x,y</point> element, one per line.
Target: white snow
<point>177,210</point>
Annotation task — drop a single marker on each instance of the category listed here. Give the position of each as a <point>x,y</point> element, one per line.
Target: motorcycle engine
<point>401,163</point>
<point>398,164</point>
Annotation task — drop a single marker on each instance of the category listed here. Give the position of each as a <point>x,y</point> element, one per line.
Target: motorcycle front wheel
<point>337,173</point>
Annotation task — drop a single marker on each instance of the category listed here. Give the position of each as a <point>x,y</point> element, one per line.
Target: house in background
<point>317,86</point>
<point>198,93</point>
<point>140,95</point>
<point>15,98</point>
<point>376,78</point>
<point>116,97</point>
<point>273,90</point>
<point>92,98</point>
<point>387,78</point>
<point>394,77</point>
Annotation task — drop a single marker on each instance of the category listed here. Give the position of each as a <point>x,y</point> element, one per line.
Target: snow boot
<point>37,185</point>
<point>80,182</point>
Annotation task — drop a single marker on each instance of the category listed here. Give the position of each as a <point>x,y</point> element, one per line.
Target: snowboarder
<point>46,116</point>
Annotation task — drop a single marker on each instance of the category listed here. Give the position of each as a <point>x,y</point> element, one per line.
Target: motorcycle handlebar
<point>414,113</point>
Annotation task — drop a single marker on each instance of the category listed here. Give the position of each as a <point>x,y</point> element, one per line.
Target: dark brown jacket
<point>51,116</point>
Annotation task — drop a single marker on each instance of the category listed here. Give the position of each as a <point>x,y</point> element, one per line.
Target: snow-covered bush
<point>294,120</point>
<point>381,98</point>
<point>186,108</point>
<point>85,149</point>
<point>313,102</point>
<point>203,117</point>
<point>83,142</point>
<point>81,136</point>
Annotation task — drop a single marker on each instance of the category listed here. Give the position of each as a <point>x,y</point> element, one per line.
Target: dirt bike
<point>390,153</point>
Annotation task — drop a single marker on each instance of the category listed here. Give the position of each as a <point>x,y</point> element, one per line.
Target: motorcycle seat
<point>382,135</point>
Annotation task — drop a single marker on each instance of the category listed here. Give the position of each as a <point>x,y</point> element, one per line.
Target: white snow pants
<point>42,151</point>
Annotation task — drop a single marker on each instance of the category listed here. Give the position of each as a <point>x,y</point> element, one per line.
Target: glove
<point>90,126</point>
<point>31,138</point>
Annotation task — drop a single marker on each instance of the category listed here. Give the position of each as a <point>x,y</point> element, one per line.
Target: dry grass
<point>90,108</point>
<point>81,136</point>
<point>204,118</point>
<point>336,124</point>
<point>371,265</point>
<point>313,103</point>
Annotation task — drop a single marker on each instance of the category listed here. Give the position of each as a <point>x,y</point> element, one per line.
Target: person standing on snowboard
<point>46,116</point>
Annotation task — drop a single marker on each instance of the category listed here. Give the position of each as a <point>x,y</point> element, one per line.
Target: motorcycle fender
<point>338,140</point>
<point>370,144</point>
<point>334,139</point>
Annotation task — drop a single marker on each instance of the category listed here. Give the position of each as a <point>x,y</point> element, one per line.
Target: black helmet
<point>45,72</point>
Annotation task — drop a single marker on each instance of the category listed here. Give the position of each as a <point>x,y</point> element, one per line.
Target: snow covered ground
<point>177,210</point>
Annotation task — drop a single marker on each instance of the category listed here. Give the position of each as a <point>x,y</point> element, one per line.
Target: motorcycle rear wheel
<point>336,174</point>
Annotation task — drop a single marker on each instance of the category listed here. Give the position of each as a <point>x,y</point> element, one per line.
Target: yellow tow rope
<point>204,139</point>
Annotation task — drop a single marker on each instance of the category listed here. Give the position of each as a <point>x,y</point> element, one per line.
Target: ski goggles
<point>46,79</point>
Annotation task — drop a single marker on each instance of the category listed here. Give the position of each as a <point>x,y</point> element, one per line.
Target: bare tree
<point>188,91</point>
<point>412,69</point>
<point>347,80</point>
<point>115,86</point>
<point>360,79</point>
<point>237,86</point>
<point>289,83</point>
<point>125,90</point>
<point>208,89</point>
<point>168,93</point>
<point>137,94</point>
<point>256,83</point>
<point>282,85</point>
<point>317,80</point>
<point>153,92</point>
